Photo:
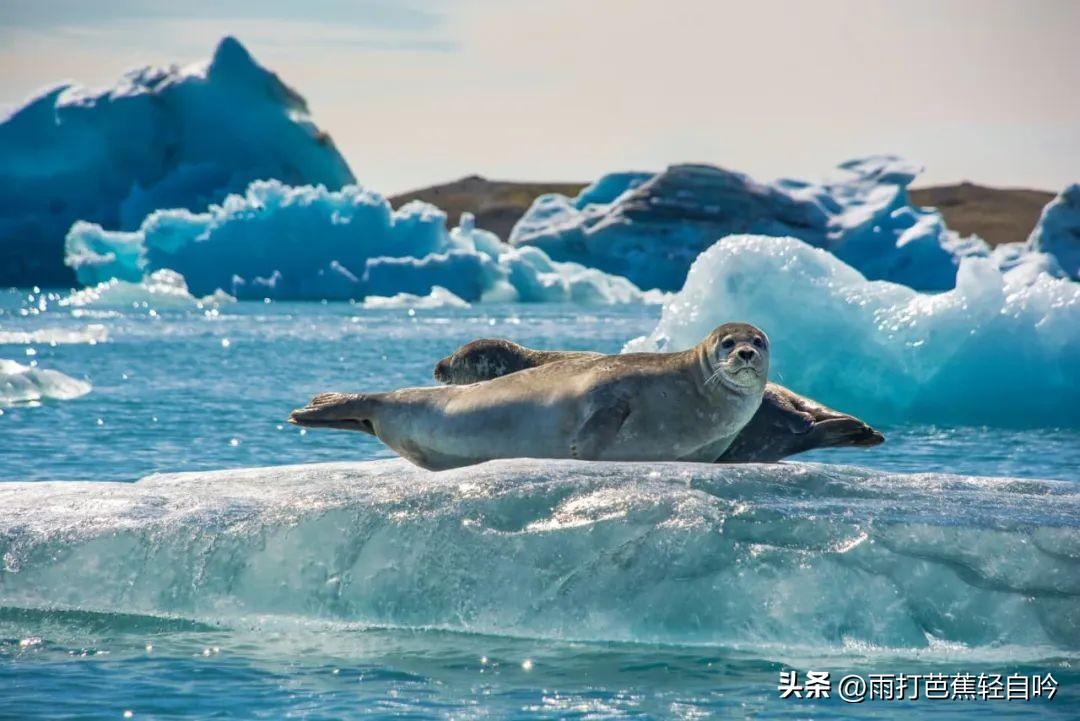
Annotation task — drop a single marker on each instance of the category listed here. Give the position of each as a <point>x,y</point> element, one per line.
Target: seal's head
<point>482,360</point>
<point>736,356</point>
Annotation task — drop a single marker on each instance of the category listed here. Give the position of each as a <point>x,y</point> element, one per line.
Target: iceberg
<point>1058,231</point>
<point>311,243</point>
<point>1000,349</point>
<point>650,228</point>
<point>783,556</point>
<point>161,137</point>
<point>21,384</point>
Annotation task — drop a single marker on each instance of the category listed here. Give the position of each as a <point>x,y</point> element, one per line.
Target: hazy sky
<point>416,93</point>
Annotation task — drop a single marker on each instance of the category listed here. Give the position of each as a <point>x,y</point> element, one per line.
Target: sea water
<point>511,591</point>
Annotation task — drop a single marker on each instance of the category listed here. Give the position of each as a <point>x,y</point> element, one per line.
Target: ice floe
<point>783,556</point>
<point>439,297</point>
<point>161,289</point>
<point>28,384</point>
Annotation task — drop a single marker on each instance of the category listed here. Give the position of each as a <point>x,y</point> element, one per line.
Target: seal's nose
<point>440,370</point>
<point>747,354</point>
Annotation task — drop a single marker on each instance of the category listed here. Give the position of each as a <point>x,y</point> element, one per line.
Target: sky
<point>416,93</point>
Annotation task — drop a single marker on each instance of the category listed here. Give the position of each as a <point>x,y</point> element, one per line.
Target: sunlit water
<point>198,390</point>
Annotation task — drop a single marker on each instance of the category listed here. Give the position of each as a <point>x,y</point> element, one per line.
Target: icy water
<point>212,596</point>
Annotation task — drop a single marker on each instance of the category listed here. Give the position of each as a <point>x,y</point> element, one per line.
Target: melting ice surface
<point>1001,349</point>
<point>277,241</point>
<point>794,556</point>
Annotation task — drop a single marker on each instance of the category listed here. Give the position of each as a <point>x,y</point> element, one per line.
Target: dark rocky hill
<point>997,215</point>
<point>496,204</point>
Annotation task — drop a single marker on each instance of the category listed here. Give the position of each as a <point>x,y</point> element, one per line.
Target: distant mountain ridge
<point>997,215</point>
<point>496,204</point>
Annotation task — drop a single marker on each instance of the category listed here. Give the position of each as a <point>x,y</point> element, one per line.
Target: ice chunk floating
<point>438,298</point>
<point>1001,349</point>
<point>790,555</point>
<point>29,384</point>
<point>175,137</point>
<point>278,241</point>
<point>161,289</point>
<point>651,228</point>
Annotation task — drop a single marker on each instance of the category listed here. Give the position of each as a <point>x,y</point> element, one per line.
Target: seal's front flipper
<point>599,430</point>
<point>345,411</point>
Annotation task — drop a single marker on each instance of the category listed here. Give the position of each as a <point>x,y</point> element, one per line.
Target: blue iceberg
<point>175,137</point>
<point>782,557</point>
<point>650,228</point>
<point>1058,231</point>
<point>1000,349</point>
<point>308,242</point>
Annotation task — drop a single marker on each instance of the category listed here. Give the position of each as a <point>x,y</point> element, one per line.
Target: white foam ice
<point>439,297</point>
<point>161,289</point>
<point>91,334</point>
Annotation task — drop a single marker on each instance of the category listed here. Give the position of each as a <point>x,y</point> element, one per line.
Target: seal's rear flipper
<point>845,431</point>
<point>344,411</point>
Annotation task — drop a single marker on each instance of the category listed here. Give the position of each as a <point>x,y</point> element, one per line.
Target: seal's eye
<point>758,342</point>
<point>727,344</point>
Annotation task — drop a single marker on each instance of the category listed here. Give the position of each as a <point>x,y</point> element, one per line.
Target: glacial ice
<point>160,290</point>
<point>21,384</point>
<point>306,242</point>
<point>650,229</point>
<point>175,137</point>
<point>1058,231</point>
<point>784,556</point>
<point>1001,349</point>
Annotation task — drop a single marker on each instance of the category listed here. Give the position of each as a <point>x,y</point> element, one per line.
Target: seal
<point>685,406</point>
<point>488,358</point>
<point>785,424</point>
